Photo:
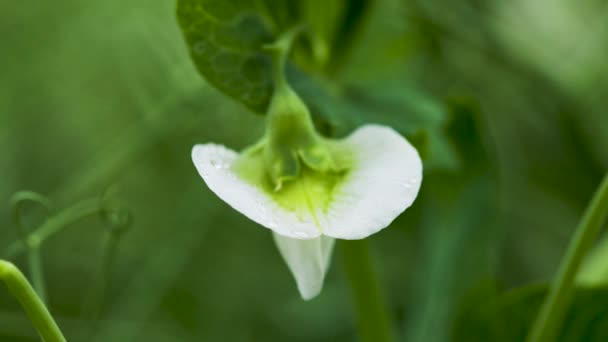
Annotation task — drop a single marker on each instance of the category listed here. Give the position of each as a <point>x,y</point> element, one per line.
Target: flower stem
<point>557,301</point>
<point>372,318</point>
<point>279,50</point>
<point>34,307</point>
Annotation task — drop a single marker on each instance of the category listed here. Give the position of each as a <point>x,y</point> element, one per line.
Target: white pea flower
<point>381,177</point>
<point>310,190</point>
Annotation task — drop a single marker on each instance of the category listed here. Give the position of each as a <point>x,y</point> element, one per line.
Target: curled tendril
<point>32,244</point>
<point>18,201</point>
<point>111,211</point>
<point>114,213</point>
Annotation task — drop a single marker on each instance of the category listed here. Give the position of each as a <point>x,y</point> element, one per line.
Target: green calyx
<point>291,141</point>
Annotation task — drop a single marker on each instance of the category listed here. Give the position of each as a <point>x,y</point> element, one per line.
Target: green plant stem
<point>280,51</point>
<point>95,305</point>
<point>33,306</point>
<point>36,271</point>
<point>558,300</point>
<point>372,318</point>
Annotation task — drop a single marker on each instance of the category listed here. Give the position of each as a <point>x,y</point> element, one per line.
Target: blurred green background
<point>103,94</point>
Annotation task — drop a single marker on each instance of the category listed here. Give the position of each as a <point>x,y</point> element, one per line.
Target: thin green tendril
<point>34,260</point>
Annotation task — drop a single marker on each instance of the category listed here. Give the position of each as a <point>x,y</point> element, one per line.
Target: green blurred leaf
<point>457,248</point>
<point>508,316</point>
<point>594,270</point>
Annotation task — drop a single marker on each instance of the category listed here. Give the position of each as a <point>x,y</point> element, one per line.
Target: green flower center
<point>307,193</point>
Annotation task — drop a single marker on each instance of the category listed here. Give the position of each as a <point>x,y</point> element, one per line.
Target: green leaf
<point>225,39</point>
<point>508,316</point>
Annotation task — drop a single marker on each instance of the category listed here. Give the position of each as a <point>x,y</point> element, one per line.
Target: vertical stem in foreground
<point>372,318</point>
<point>558,300</point>
<point>33,306</point>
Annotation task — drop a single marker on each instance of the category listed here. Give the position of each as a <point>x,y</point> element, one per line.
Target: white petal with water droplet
<point>383,181</point>
<point>308,261</point>
<point>214,164</point>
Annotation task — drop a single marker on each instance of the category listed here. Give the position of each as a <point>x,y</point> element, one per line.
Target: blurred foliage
<point>505,100</point>
<point>493,315</point>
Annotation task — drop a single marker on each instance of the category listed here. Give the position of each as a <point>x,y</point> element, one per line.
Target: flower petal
<point>215,165</point>
<point>384,181</point>
<point>308,261</point>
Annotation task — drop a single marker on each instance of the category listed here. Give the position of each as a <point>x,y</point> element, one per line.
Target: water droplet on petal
<point>300,234</point>
<point>272,223</point>
<point>263,212</point>
<point>219,164</point>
